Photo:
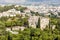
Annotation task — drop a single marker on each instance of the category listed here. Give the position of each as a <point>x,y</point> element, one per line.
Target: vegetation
<point>34,34</point>
<point>20,8</point>
<point>38,24</point>
<point>6,8</point>
<point>28,33</point>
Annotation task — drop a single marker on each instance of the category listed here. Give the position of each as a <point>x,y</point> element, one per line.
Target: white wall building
<point>33,21</point>
<point>44,22</point>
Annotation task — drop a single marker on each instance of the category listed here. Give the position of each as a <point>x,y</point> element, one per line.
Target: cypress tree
<point>38,24</point>
<point>9,36</point>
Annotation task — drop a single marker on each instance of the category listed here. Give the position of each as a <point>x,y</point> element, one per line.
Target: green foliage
<point>9,36</point>
<point>20,8</point>
<point>2,38</point>
<point>38,24</point>
<point>6,8</point>
<point>8,23</point>
<point>29,33</point>
<point>2,28</point>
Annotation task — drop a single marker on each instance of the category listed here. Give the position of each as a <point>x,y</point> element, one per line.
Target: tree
<point>8,23</point>
<point>2,28</point>
<point>38,24</point>
<point>2,37</point>
<point>2,31</point>
<point>25,20</point>
<point>58,24</point>
<point>9,36</point>
<point>20,8</point>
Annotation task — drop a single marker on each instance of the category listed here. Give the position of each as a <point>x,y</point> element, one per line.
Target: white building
<point>33,20</point>
<point>11,13</point>
<point>15,29</point>
<point>44,22</point>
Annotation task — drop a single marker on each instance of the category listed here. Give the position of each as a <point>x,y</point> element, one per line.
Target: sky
<point>29,1</point>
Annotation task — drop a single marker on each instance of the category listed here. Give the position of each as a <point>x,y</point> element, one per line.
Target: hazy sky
<point>29,1</point>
